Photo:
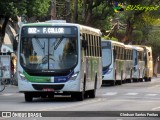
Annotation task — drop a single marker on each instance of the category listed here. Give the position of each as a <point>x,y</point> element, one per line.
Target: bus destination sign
<point>47,30</point>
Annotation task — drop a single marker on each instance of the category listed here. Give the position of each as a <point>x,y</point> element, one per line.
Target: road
<point>142,96</point>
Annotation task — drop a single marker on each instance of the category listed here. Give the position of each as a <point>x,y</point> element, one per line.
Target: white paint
<point>151,95</point>
<point>131,94</point>
<point>110,93</point>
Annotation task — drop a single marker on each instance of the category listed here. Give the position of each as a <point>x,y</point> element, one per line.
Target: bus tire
<point>92,93</point>
<point>135,79</point>
<point>149,79</point>
<point>28,97</point>
<point>146,79</point>
<point>119,82</point>
<point>113,83</point>
<point>80,96</point>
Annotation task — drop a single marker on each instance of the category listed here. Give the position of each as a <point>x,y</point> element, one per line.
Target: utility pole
<point>53,10</point>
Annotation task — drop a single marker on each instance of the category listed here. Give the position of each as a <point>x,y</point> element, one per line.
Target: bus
<point>138,64</point>
<point>113,62</point>
<point>148,62</point>
<point>55,57</point>
<point>128,63</point>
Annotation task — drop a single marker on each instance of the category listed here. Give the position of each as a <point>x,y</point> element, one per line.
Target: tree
<point>136,19</point>
<point>10,9</point>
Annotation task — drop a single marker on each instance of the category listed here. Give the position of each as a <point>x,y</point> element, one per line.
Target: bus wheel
<point>146,79</point>
<point>135,80</point>
<point>28,97</point>
<point>149,79</point>
<point>119,82</point>
<point>92,93</point>
<point>141,79</point>
<point>80,96</point>
<point>113,83</point>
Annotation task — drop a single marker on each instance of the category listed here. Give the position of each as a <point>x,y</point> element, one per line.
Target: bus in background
<point>128,63</point>
<point>113,62</point>
<point>58,58</point>
<point>148,63</point>
<point>138,64</point>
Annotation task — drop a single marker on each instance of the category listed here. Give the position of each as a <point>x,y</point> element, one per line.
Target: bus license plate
<point>48,89</point>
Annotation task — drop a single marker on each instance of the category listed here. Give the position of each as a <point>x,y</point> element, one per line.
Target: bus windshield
<point>54,53</point>
<point>106,54</point>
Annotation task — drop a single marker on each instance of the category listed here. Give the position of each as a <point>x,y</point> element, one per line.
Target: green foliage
<point>30,8</point>
<point>154,38</point>
<point>154,41</point>
<point>8,8</point>
<point>110,38</point>
<point>136,36</point>
<point>37,7</point>
<point>120,34</point>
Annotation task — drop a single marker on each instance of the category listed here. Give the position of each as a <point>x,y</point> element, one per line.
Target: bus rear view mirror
<point>84,44</point>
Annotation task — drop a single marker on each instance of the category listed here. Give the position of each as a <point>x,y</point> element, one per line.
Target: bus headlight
<point>22,77</point>
<point>74,76</point>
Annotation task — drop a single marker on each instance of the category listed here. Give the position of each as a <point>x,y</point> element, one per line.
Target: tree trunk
<point>68,14</point>
<point>10,32</point>
<point>129,30</point>
<point>89,13</point>
<point>3,24</point>
<point>53,10</point>
<point>84,9</point>
<point>75,14</point>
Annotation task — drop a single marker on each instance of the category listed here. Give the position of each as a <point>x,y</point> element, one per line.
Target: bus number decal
<point>32,30</point>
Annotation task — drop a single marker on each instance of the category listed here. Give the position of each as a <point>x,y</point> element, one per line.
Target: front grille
<point>41,87</point>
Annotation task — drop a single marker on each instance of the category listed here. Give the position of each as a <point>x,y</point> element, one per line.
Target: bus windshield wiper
<point>41,46</point>
<point>59,41</point>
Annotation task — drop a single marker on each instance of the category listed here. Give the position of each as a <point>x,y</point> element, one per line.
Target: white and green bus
<point>58,58</point>
<point>138,71</point>
<point>113,62</point>
<point>128,63</point>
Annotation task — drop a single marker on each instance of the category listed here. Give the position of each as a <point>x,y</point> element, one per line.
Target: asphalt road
<point>130,97</point>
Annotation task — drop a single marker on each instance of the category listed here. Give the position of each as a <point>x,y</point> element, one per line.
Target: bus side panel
<point>119,69</point>
<point>128,67</point>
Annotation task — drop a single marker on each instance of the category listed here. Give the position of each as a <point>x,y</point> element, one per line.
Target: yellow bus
<point>148,63</point>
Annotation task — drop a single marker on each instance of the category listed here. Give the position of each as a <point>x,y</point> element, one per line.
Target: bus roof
<point>138,48</point>
<point>83,28</point>
<point>113,42</point>
<point>128,47</point>
<point>146,47</point>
